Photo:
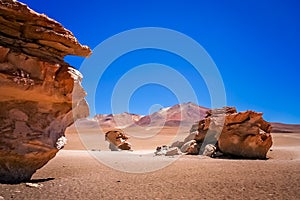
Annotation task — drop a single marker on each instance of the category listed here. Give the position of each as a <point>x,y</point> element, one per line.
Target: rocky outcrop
<point>244,134</point>
<point>41,95</point>
<point>117,140</point>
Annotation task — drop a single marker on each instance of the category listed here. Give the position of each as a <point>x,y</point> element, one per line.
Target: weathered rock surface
<point>244,134</point>
<point>40,94</point>
<point>24,30</point>
<point>117,140</point>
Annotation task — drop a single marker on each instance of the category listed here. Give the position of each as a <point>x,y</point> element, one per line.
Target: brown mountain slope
<point>117,120</point>
<point>285,128</point>
<point>184,114</point>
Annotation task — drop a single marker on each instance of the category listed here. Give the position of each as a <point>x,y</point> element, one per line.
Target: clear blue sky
<point>255,45</point>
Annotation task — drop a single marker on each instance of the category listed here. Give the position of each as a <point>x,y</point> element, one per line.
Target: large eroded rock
<point>244,134</point>
<point>40,94</point>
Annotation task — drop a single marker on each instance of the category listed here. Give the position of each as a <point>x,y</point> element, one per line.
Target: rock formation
<point>40,94</point>
<point>117,140</point>
<point>244,134</point>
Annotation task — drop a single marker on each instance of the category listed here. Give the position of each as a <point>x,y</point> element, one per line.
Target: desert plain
<point>86,169</point>
<point>37,98</point>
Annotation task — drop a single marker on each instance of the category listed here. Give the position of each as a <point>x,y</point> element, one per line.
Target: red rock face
<point>244,134</point>
<point>40,94</point>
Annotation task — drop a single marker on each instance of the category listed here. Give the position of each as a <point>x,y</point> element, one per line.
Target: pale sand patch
<point>148,139</point>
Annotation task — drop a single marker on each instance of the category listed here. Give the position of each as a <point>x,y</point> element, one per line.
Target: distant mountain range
<point>285,128</point>
<point>185,114</point>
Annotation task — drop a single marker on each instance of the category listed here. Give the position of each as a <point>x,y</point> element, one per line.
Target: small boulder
<point>190,147</point>
<point>117,140</point>
<point>209,150</point>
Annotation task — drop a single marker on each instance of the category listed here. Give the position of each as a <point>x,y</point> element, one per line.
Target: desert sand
<point>96,173</point>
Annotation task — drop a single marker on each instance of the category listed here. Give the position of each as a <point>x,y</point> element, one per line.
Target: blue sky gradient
<point>255,45</point>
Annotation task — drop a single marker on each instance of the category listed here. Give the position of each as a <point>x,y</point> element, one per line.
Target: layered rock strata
<point>40,94</point>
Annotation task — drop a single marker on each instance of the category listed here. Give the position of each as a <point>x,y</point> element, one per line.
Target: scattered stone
<point>34,185</point>
<point>95,149</point>
<point>209,150</point>
<point>161,150</point>
<point>167,151</point>
<point>61,142</point>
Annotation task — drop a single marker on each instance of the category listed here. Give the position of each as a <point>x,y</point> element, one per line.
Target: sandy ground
<point>76,173</point>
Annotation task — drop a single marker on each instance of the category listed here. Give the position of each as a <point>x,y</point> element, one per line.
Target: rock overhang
<point>40,94</point>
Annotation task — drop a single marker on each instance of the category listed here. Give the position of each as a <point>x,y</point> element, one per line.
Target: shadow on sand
<point>40,180</point>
